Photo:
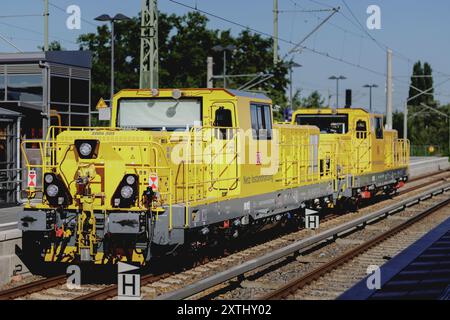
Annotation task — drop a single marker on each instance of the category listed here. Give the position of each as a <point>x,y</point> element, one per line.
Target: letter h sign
<point>129,283</point>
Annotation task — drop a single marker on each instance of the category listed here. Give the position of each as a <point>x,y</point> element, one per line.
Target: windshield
<point>337,124</point>
<point>157,114</point>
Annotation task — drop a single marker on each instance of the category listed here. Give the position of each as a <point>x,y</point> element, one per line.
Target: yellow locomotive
<point>370,158</point>
<point>188,166</point>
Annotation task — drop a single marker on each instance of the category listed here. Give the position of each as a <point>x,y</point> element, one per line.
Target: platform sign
<point>312,219</point>
<point>101,104</point>
<point>128,282</point>
<point>312,222</point>
<point>104,114</point>
<point>32,179</point>
<point>153,181</point>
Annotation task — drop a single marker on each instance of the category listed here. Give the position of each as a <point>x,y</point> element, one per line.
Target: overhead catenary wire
<point>10,43</point>
<point>299,45</point>
<point>381,45</point>
<point>36,32</point>
<point>330,23</point>
<point>20,16</point>
<point>306,48</point>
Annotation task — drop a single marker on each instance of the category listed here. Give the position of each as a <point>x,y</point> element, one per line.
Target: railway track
<point>258,277</point>
<point>32,287</point>
<point>335,277</point>
<point>155,285</point>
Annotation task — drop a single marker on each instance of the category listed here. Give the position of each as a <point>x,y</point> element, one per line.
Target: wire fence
<point>427,151</point>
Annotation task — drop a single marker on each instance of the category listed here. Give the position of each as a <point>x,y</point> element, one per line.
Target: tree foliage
<point>53,46</point>
<point>425,127</point>
<point>421,79</point>
<point>313,101</point>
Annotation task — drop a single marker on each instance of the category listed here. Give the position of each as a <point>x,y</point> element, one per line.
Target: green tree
<point>422,78</point>
<point>313,101</point>
<point>428,83</point>
<point>53,46</point>
<point>126,57</point>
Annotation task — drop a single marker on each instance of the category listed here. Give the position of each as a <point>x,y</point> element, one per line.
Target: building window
<point>261,121</point>
<point>2,87</point>
<point>24,87</point>
<point>79,91</point>
<point>59,89</point>
<point>79,120</point>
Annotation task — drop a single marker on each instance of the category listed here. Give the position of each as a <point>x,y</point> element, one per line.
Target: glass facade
<point>2,87</point>
<point>60,89</point>
<point>69,92</point>
<point>70,98</point>
<point>24,87</point>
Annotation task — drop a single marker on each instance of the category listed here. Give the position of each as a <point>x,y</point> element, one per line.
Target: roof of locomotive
<point>194,92</point>
<point>333,111</point>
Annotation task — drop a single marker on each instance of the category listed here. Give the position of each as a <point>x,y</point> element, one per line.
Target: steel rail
<point>299,246</point>
<point>302,281</point>
<point>424,184</point>
<point>32,287</point>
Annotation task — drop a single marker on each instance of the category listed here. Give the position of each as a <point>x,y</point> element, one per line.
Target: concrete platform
<point>8,216</point>
<point>420,166</point>
<point>10,264</point>
<point>421,271</point>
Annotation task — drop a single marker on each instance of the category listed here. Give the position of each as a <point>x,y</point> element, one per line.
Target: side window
<point>361,129</point>
<point>261,121</point>
<point>254,119</point>
<point>223,119</point>
<point>379,128</point>
<point>268,122</point>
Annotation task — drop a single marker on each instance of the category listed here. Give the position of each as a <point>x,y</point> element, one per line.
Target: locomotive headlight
<point>126,192</point>
<point>48,178</point>
<point>85,149</point>
<point>52,190</point>
<point>131,180</point>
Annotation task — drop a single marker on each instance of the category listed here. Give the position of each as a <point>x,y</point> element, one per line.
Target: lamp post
<point>370,86</point>
<point>117,17</point>
<point>291,65</point>
<point>337,78</point>
<point>220,48</point>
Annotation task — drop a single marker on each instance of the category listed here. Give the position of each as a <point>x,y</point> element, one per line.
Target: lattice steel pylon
<point>149,45</point>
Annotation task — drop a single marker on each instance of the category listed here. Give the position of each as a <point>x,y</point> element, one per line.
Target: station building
<point>37,90</point>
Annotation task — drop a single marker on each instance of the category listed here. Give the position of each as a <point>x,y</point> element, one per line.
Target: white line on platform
<point>434,161</point>
<point>10,224</point>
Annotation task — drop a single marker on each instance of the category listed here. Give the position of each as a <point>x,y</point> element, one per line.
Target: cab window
<point>378,128</point>
<point>328,124</point>
<point>361,129</point>
<point>261,121</point>
<point>223,119</point>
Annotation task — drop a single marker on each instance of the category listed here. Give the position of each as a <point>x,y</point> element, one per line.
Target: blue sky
<point>414,29</point>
